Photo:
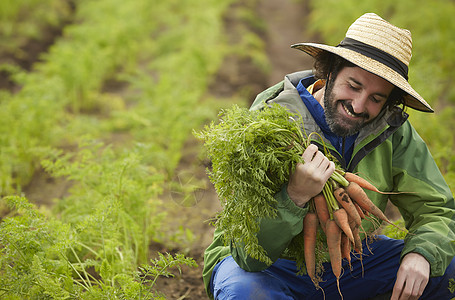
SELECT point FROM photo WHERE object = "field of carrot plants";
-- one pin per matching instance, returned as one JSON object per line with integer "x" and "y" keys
{"x": 101, "y": 176}
{"x": 106, "y": 111}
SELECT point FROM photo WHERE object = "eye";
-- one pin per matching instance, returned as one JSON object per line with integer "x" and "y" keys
{"x": 375, "y": 100}
{"x": 354, "y": 88}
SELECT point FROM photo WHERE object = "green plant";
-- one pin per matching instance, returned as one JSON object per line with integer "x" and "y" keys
{"x": 252, "y": 154}
{"x": 394, "y": 231}
{"x": 22, "y": 21}
{"x": 65, "y": 121}
{"x": 116, "y": 188}
{"x": 44, "y": 257}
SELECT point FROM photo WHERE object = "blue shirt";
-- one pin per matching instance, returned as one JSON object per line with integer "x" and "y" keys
{"x": 318, "y": 114}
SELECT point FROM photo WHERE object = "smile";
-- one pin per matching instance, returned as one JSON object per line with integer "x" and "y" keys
{"x": 348, "y": 112}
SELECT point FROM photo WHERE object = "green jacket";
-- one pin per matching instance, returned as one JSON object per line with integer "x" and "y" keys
{"x": 390, "y": 153}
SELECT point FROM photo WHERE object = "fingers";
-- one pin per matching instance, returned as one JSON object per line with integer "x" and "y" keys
{"x": 309, "y": 153}
{"x": 309, "y": 177}
{"x": 329, "y": 171}
{"x": 409, "y": 291}
{"x": 316, "y": 160}
{"x": 317, "y": 167}
{"x": 412, "y": 277}
{"x": 397, "y": 288}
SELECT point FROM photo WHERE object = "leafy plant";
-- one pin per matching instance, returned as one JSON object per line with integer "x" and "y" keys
{"x": 111, "y": 188}
{"x": 43, "y": 258}
{"x": 253, "y": 153}
{"x": 22, "y": 21}
{"x": 110, "y": 214}
{"x": 250, "y": 162}
{"x": 394, "y": 231}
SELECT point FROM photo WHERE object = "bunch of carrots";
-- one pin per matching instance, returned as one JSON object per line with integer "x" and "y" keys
{"x": 339, "y": 209}
{"x": 253, "y": 154}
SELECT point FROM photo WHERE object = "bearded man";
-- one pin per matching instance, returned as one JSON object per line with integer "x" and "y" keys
{"x": 355, "y": 98}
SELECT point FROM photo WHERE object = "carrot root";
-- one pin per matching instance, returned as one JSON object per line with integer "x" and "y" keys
{"x": 358, "y": 195}
{"x": 322, "y": 209}
{"x": 346, "y": 249}
{"x": 341, "y": 219}
{"x": 351, "y": 177}
{"x": 310, "y": 225}
{"x": 334, "y": 247}
{"x": 343, "y": 198}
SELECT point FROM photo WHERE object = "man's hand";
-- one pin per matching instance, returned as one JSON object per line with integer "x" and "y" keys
{"x": 309, "y": 178}
{"x": 412, "y": 277}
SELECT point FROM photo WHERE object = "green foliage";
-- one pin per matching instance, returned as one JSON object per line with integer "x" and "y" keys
{"x": 252, "y": 155}
{"x": 70, "y": 75}
{"x": 161, "y": 266}
{"x": 63, "y": 120}
{"x": 116, "y": 189}
{"x": 41, "y": 259}
{"x": 112, "y": 37}
{"x": 395, "y": 232}
{"x": 33, "y": 253}
{"x": 23, "y": 20}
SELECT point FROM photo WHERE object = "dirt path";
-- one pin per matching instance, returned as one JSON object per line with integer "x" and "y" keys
{"x": 285, "y": 21}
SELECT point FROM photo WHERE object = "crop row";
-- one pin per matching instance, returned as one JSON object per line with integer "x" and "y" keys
{"x": 94, "y": 242}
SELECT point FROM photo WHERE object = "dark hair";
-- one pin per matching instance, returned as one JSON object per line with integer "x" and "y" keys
{"x": 327, "y": 63}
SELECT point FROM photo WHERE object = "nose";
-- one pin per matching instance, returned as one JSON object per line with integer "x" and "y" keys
{"x": 359, "y": 103}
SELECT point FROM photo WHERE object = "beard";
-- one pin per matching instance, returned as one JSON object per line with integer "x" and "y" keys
{"x": 339, "y": 124}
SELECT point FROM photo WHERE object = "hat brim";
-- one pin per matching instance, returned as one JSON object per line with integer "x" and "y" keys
{"x": 412, "y": 99}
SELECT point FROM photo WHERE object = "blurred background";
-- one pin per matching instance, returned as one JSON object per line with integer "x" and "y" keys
{"x": 101, "y": 177}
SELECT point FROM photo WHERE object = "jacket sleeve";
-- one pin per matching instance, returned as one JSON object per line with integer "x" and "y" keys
{"x": 274, "y": 234}
{"x": 429, "y": 209}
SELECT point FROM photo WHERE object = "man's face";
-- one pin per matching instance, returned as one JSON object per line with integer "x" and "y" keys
{"x": 354, "y": 99}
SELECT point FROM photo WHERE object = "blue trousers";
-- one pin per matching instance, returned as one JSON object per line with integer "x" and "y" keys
{"x": 280, "y": 281}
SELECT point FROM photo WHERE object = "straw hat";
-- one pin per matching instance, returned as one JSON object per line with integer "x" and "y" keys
{"x": 380, "y": 48}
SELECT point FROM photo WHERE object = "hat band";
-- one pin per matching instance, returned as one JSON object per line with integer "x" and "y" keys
{"x": 376, "y": 54}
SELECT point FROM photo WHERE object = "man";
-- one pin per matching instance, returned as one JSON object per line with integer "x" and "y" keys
{"x": 355, "y": 100}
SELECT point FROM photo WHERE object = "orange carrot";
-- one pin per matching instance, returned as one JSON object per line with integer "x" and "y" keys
{"x": 310, "y": 225}
{"x": 359, "y": 210}
{"x": 351, "y": 177}
{"x": 343, "y": 198}
{"x": 333, "y": 233}
{"x": 341, "y": 219}
{"x": 346, "y": 248}
{"x": 358, "y": 195}
{"x": 321, "y": 209}
{"x": 357, "y": 241}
